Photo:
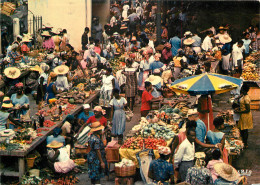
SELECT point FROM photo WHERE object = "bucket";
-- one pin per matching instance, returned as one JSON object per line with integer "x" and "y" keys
{"x": 34, "y": 172}
{"x": 30, "y": 161}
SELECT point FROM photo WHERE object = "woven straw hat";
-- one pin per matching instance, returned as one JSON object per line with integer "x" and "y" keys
{"x": 12, "y": 72}
{"x": 188, "y": 41}
{"x": 154, "y": 79}
{"x": 55, "y": 144}
{"x": 46, "y": 33}
{"x": 225, "y": 38}
{"x": 61, "y": 70}
{"x": 26, "y": 39}
{"x": 7, "y": 103}
{"x": 96, "y": 126}
{"x": 226, "y": 171}
{"x": 36, "y": 68}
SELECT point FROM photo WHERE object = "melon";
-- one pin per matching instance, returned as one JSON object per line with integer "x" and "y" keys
{"x": 71, "y": 101}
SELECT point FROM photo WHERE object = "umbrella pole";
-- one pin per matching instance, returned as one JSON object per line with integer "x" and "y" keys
{"x": 208, "y": 122}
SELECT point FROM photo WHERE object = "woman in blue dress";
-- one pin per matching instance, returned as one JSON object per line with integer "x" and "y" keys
{"x": 20, "y": 101}
{"x": 97, "y": 163}
{"x": 51, "y": 87}
{"x": 119, "y": 118}
{"x": 216, "y": 136}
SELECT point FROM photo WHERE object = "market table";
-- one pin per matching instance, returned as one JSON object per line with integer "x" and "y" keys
{"x": 21, "y": 154}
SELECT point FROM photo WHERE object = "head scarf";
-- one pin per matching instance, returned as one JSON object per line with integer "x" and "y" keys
{"x": 20, "y": 84}
{"x": 164, "y": 150}
{"x": 99, "y": 109}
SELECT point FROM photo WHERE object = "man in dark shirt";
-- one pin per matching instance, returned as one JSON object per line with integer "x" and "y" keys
{"x": 84, "y": 39}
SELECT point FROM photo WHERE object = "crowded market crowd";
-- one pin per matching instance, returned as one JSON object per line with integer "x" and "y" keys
{"x": 131, "y": 67}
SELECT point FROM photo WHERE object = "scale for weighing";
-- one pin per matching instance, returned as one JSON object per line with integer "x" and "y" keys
{"x": 8, "y": 133}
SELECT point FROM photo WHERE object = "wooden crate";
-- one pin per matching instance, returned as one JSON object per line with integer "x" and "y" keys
{"x": 255, "y": 105}
{"x": 112, "y": 154}
{"x": 254, "y": 93}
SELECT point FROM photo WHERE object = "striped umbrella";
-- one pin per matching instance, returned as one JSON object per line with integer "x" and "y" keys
{"x": 207, "y": 83}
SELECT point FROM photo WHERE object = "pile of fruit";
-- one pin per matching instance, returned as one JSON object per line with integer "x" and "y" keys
{"x": 139, "y": 142}
{"x": 249, "y": 72}
{"x": 24, "y": 136}
{"x": 74, "y": 97}
{"x": 158, "y": 131}
{"x": 48, "y": 123}
{"x": 69, "y": 180}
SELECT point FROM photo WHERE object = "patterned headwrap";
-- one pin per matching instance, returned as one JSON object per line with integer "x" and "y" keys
{"x": 164, "y": 150}
{"x": 20, "y": 84}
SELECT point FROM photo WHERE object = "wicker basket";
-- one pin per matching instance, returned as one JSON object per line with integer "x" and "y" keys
{"x": 80, "y": 161}
{"x": 33, "y": 53}
{"x": 125, "y": 171}
{"x": 82, "y": 150}
{"x": 30, "y": 161}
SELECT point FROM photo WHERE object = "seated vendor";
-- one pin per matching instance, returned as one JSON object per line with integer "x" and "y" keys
{"x": 31, "y": 83}
{"x": 161, "y": 170}
{"x": 85, "y": 114}
{"x": 11, "y": 78}
{"x": 56, "y": 136}
{"x": 59, "y": 158}
{"x": 68, "y": 129}
{"x": 20, "y": 101}
{"x": 5, "y": 115}
{"x": 157, "y": 82}
{"x": 226, "y": 174}
{"x": 14, "y": 55}
{"x": 99, "y": 112}
{"x": 62, "y": 83}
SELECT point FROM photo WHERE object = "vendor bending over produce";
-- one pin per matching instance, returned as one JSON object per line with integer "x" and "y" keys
{"x": 160, "y": 170}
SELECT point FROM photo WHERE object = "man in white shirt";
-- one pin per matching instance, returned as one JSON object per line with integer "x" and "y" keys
{"x": 237, "y": 54}
{"x": 207, "y": 44}
{"x": 184, "y": 157}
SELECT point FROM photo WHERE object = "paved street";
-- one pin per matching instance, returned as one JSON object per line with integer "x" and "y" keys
{"x": 249, "y": 158}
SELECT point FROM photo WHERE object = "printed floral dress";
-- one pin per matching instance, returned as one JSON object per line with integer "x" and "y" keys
{"x": 94, "y": 167}
{"x": 196, "y": 175}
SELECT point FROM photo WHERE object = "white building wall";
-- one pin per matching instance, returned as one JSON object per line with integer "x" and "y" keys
{"x": 65, "y": 14}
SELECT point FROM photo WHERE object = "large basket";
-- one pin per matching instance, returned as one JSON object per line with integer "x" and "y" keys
{"x": 30, "y": 161}
{"x": 125, "y": 171}
{"x": 82, "y": 150}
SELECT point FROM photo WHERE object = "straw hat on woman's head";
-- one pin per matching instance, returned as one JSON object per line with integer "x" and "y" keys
{"x": 12, "y": 72}
{"x": 44, "y": 67}
{"x": 7, "y": 103}
{"x": 96, "y": 126}
{"x": 226, "y": 171}
{"x": 25, "y": 39}
{"x": 36, "y": 68}
{"x": 154, "y": 79}
{"x": 188, "y": 41}
{"x": 225, "y": 38}
{"x": 61, "y": 70}
{"x": 55, "y": 144}
{"x": 46, "y": 34}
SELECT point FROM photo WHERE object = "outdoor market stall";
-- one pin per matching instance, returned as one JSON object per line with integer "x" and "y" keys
{"x": 22, "y": 151}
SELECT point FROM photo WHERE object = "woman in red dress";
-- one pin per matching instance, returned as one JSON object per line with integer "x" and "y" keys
{"x": 205, "y": 111}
